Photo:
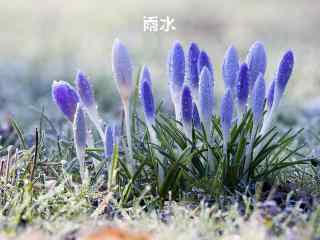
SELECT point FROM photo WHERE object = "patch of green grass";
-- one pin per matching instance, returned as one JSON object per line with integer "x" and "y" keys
{"x": 43, "y": 183}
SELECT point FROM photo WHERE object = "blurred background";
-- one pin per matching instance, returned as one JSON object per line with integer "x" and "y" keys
{"x": 42, "y": 41}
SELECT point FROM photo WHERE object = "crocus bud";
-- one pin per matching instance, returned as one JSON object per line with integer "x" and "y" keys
{"x": 226, "y": 116}
{"x": 84, "y": 89}
{"x": 122, "y": 69}
{"x": 258, "y": 98}
{"x": 109, "y": 141}
{"x": 86, "y": 94}
{"x": 145, "y": 75}
{"x": 196, "y": 116}
{"x": 206, "y": 99}
{"x": 186, "y": 110}
{"x": 257, "y": 62}
{"x": 230, "y": 68}
{"x": 80, "y": 139}
{"x": 270, "y": 95}
{"x": 176, "y": 71}
{"x": 66, "y": 98}
{"x": 204, "y": 61}
{"x": 283, "y": 74}
{"x": 243, "y": 87}
{"x": 193, "y": 73}
{"x": 80, "y": 129}
{"x": 146, "y": 96}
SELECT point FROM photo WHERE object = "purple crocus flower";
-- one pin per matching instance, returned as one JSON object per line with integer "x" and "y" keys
{"x": 193, "y": 73}
{"x": 86, "y": 94}
{"x": 66, "y": 98}
{"x": 258, "y": 98}
{"x": 270, "y": 95}
{"x": 186, "y": 110}
{"x": 230, "y": 68}
{"x": 196, "y": 116}
{"x": 283, "y": 74}
{"x": 79, "y": 128}
{"x": 279, "y": 84}
{"x": 243, "y": 87}
{"x": 257, "y": 62}
{"x": 146, "y": 96}
{"x": 204, "y": 61}
{"x": 226, "y": 112}
{"x": 84, "y": 89}
{"x": 176, "y": 68}
{"x": 206, "y": 99}
{"x": 109, "y": 142}
{"x": 122, "y": 69}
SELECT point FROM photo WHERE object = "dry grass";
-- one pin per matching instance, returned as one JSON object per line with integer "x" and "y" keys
{"x": 183, "y": 224}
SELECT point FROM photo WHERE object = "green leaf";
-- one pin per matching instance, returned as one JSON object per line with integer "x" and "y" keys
{"x": 112, "y": 176}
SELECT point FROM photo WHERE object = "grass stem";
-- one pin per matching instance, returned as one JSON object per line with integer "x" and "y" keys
{"x": 131, "y": 162}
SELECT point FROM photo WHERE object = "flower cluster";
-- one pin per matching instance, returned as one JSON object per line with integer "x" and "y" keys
{"x": 75, "y": 104}
{"x": 192, "y": 95}
{"x": 244, "y": 87}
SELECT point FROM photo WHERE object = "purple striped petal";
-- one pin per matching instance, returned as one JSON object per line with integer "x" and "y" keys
{"x": 79, "y": 128}
{"x": 109, "y": 142}
{"x": 66, "y": 98}
{"x": 145, "y": 75}
{"x": 206, "y": 99}
{"x": 257, "y": 62}
{"x": 84, "y": 89}
{"x": 146, "y": 96}
{"x": 196, "y": 116}
{"x": 186, "y": 106}
{"x": 230, "y": 68}
{"x": 204, "y": 61}
{"x": 284, "y": 71}
{"x": 270, "y": 96}
{"x": 258, "y": 98}
{"x": 122, "y": 69}
{"x": 176, "y": 67}
{"x": 243, "y": 85}
{"x": 226, "y": 112}
{"x": 193, "y": 73}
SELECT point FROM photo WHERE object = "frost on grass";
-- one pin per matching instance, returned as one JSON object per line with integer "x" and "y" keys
{"x": 142, "y": 175}
{"x": 185, "y": 223}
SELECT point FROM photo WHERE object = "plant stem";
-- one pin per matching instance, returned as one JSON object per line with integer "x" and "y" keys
{"x": 211, "y": 161}
{"x": 154, "y": 140}
{"x": 269, "y": 118}
{"x": 249, "y": 153}
{"x": 188, "y": 130}
{"x": 81, "y": 157}
{"x": 212, "y": 164}
{"x": 177, "y": 110}
{"x": 241, "y": 110}
{"x": 8, "y": 165}
{"x": 131, "y": 161}
{"x": 267, "y": 123}
{"x": 225, "y": 142}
